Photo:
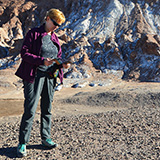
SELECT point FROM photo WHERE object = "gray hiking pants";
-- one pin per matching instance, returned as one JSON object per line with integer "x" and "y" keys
{"x": 43, "y": 87}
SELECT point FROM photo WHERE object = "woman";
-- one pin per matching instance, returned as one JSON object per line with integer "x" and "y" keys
{"x": 39, "y": 51}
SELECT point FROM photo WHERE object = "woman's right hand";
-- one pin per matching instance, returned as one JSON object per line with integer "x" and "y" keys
{"x": 66, "y": 65}
{"x": 48, "y": 61}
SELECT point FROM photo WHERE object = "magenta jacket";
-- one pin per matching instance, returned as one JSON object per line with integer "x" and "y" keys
{"x": 30, "y": 54}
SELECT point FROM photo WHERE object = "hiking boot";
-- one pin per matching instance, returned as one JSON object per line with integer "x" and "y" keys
{"x": 21, "y": 150}
{"x": 49, "y": 143}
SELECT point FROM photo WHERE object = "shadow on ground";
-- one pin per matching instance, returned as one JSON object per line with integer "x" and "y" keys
{"x": 10, "y": 152}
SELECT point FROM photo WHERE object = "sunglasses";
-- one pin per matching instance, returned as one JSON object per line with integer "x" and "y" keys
{"x": 55, "y": 23}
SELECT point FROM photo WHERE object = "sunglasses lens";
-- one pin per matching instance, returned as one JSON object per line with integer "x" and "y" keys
{"x": 55, "y": 23}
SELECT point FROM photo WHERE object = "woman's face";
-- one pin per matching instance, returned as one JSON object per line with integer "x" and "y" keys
{"x": 51, "y": 24}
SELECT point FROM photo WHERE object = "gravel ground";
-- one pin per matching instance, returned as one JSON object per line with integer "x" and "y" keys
{"x": 127, "y": 134}
{"x": 120, "y": 123}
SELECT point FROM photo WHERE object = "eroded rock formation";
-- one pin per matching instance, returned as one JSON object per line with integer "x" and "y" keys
{"x": 118, "y": 35}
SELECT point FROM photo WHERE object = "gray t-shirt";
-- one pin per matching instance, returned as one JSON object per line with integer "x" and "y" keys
{"x": 48, "y": 50}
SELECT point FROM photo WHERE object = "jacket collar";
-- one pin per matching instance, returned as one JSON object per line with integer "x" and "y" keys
{"x": 44, "y": 33}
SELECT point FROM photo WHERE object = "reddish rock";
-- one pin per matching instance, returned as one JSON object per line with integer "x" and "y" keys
{"x": 133, "y": 55}
{"x": 97, "y": 45}
{"x": 1, "y": 10}
{"x": 149, "y": 45}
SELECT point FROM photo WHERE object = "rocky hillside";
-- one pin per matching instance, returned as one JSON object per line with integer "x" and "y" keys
{"x": 117, "y": 37}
